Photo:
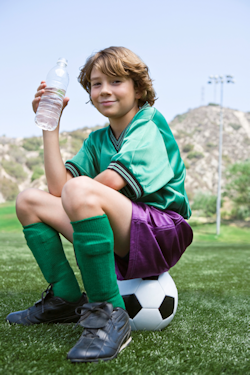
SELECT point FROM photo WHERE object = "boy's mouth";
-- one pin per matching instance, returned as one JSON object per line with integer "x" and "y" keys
{"x": 107, "y": 101}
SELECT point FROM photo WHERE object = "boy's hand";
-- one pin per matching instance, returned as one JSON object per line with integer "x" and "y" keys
{"x": 38, "y": 95}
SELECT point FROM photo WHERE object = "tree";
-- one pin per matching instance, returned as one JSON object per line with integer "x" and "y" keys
{"x": 238, "y": 188}
{"x": 206, "y": 203}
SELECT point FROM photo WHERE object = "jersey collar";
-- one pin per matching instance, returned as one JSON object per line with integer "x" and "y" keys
{"x": 118, "y": 142}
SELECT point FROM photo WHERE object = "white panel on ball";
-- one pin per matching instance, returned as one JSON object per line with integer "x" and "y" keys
{"x": 164, "y": 323}
{"x": 150, "y": 294}
{"x": 147, "y": 319}
{"x": 132, "y": 324}
{"x": 167, "y": 284}
{"x": 128, "y": 286}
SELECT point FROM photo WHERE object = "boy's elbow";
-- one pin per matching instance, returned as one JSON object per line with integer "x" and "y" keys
{"x": 116, "y": 181}
{"x": 55, "y": 193}
{"x": 111, "y": 179}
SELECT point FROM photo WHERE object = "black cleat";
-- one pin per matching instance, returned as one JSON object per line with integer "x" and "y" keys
{"x": 106, "y": 333}
{"x": 48, "y": 309}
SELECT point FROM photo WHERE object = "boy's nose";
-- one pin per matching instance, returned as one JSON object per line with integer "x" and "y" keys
{"x": 105, "y": 90}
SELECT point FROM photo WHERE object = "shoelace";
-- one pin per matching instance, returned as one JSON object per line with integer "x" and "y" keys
{"x": 89, "y": 310}
{"x": 44, "y": 295}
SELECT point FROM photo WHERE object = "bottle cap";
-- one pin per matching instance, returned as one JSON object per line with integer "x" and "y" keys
{"x": 62, "y": 60}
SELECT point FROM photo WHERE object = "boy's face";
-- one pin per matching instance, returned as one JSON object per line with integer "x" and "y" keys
{"x": 114, "y": 97}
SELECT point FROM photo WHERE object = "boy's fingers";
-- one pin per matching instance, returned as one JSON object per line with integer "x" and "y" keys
{"x": 42, "y": 86}
{"x": 39, "y": 93}
{"x": 36, "y": 101}
{"x": 65, "y": 102}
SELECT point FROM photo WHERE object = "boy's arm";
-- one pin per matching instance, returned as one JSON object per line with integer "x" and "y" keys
{"x": 55, "y": 170}
{"x": 112, "y": 179}
{"x": 56, "y": 173}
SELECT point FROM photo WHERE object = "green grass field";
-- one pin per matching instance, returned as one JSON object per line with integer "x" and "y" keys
{"x": 208, "y": 335}
{"x": 8, "y": 219}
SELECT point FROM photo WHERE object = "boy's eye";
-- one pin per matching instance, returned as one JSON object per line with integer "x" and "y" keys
{"x": 96, "y": 84}
{"x": 117, "y": 81}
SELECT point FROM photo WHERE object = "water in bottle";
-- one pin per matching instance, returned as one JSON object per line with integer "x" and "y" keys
{"x": 50, "y": 106}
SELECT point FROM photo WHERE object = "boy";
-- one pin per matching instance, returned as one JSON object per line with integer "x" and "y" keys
{"x": 128, "y": 199}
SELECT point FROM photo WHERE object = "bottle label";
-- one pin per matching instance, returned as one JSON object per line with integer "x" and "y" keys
{"x": 61, "y": 92}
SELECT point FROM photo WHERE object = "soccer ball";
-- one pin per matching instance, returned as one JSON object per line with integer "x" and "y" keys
{"x": 151, "y": 302}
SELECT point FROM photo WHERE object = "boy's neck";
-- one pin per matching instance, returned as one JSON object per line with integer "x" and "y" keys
{"x": 119, "y": 124}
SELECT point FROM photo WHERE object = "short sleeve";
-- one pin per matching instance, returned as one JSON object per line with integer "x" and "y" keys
{"x": 84, "y": 163}
{"x": 142, "y": 160}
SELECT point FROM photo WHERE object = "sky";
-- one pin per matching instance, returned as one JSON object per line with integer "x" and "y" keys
{"x": 181, "y": 41}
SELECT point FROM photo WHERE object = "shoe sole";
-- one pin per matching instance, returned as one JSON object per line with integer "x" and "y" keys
{"x": 66, "y": 320}
{"x": 123, "y": 346}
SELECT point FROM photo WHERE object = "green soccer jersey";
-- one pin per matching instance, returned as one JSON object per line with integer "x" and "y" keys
{"x": 146, "y": 155}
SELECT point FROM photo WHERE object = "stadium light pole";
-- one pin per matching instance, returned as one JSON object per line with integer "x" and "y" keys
{"x": 220, "y": 79}
{"x": 214, "y": 80}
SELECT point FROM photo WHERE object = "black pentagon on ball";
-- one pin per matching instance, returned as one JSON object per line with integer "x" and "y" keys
{"x": 151, "y": 278}
{"x": 167, "y": 307}
{"x": 132, "y": 305}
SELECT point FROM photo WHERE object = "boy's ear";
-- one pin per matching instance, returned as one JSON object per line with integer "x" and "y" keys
{"x": 138, "y": 94}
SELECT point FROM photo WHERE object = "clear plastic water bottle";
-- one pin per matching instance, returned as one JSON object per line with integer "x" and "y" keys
{"x": 50, "y": 106}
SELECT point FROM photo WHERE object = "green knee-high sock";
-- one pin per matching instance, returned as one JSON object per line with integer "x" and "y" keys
{"x": 94, "y": 248}
{"x": 46, "y": 246}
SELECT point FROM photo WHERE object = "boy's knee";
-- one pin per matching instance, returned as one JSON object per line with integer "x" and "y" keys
{"x": 25, "y": 200}
{"x": 77, "y": 192}
{"x": 77, "y": 187}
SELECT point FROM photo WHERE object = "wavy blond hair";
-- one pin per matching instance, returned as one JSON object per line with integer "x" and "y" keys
{"x": 120, "y": 62}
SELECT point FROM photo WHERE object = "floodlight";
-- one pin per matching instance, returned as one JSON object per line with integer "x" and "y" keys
{"x": 219, "y": 79}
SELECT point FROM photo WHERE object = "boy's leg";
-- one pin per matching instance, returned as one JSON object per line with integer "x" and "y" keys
{"x": 99, "y": 216}
{"x": 35, "y": 205}
{"x": 83, "y": 198}
{"x": 46, "y": 246}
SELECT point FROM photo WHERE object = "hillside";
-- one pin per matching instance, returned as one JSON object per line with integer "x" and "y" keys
{"x": 197, "y": 134}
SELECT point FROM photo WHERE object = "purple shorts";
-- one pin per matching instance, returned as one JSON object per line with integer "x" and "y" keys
{"x": 157, "y": 241}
